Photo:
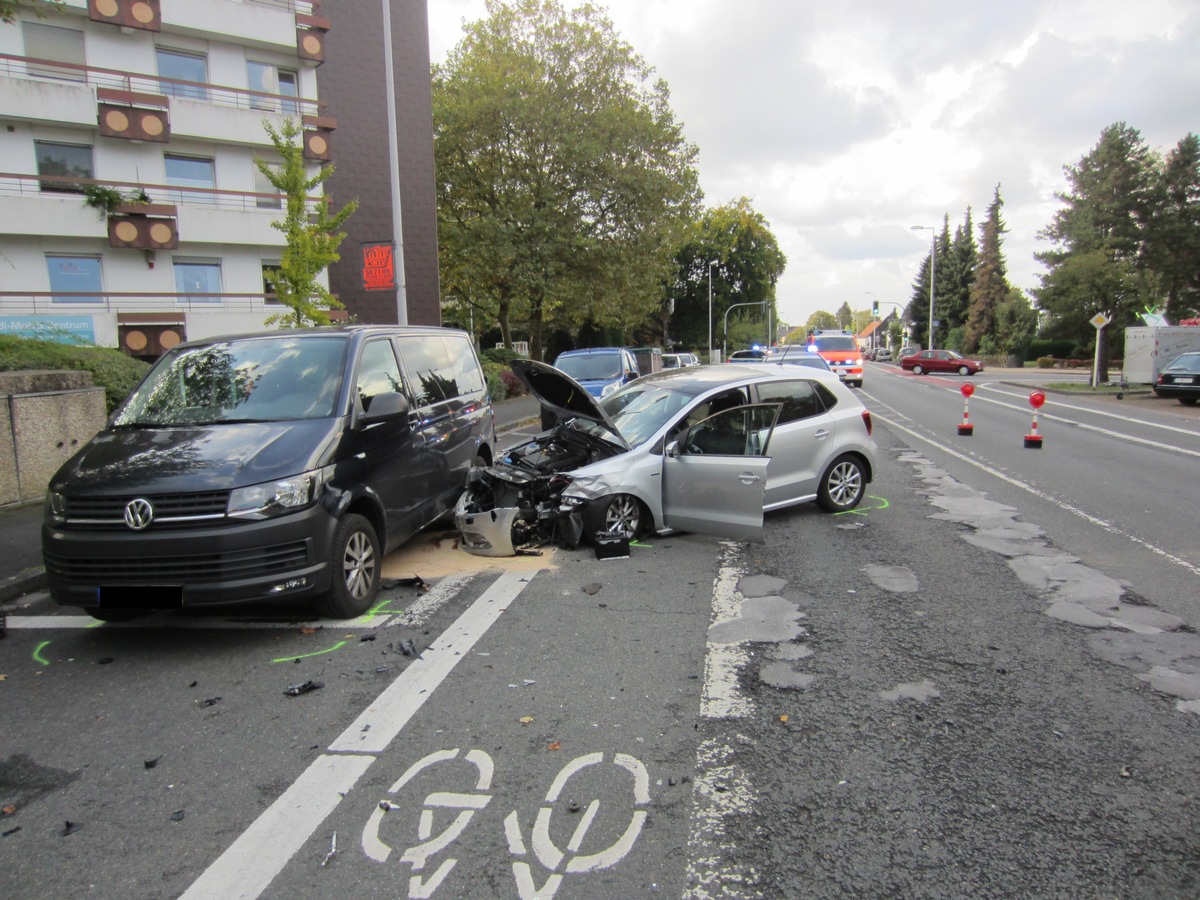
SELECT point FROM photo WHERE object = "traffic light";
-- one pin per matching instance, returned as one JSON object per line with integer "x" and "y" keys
{"x": 875, "y": 309}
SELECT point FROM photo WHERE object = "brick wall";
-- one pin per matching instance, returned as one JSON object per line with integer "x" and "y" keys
{"x": 352, "y": 82}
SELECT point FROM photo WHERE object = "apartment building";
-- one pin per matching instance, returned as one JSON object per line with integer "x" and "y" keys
{"x": 163, "y": 102}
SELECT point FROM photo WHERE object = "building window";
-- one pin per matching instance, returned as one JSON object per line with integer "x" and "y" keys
{"x": 63, "y": 160}
{"x": 262, "y": 185}
{"x": 190, "y": 172}
{"x": 180, "y": 66}
{"x": 268, "y": 278}
{"x": 52, "y": 42}
{"x": 75, "y": 279}
{"x": 195, "y": 277}
{"x": 268, "y": 78}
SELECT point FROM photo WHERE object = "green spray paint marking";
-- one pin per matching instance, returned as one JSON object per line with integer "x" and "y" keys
{"x": 882, "y": 504}
{"x": 640, "y": 544}
{"x": 338, "y": 646}
{"x": 37, "y": 653}
{"x": 379, "y": 609}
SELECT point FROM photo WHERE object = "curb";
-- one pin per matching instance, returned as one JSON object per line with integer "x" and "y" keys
{"x": 24, "y": 582}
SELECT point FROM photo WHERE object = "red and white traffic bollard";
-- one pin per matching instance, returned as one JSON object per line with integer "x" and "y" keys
{"x": 965, "y": 427}
{"x": 1033, "y": 439}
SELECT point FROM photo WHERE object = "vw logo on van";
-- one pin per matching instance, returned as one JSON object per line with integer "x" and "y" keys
{"x": 138, "y": 514}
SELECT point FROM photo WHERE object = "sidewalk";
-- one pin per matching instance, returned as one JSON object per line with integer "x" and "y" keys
{"x": 21, "y": 570}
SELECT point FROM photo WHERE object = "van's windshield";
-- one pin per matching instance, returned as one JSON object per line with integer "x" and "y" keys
{"x": 591, "y": 366}
{"x": 254, "y": 380}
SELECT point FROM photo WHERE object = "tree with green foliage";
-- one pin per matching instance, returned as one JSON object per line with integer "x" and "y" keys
{"x": 989, "y": 286}
{"x": 40, "y": 8}
{"x": 956, "y": 282}
{"x": 1173, "y": 244}
{"x": 844, "y": 316}
{"x": 312, "y": 234}
{"x": 1098, "y": 262}
{"x": 564, "y": 183}
{"x": 822, "y": 320}
{"x": 748, "y": 266}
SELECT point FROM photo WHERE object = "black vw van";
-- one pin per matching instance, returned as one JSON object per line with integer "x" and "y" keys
{"x": 274, "y": 466}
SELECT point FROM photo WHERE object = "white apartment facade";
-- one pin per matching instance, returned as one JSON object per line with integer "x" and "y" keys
{"x": 163, "y": 99}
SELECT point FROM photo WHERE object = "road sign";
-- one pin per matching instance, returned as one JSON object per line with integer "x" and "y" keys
{"x": 1099, "y": 320}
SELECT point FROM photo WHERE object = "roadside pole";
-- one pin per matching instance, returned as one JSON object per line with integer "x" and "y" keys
{"x": 1099, "y": 320}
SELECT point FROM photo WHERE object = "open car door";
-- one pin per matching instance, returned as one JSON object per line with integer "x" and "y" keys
{"x": 715, "y": 474}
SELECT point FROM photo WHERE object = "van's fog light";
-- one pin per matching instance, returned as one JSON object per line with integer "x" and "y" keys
{"x": 289, "y": 585}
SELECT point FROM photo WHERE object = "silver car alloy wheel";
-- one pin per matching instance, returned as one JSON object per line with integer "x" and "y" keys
{"x": 845, "y": 482}
{"x": 623, "y": 516}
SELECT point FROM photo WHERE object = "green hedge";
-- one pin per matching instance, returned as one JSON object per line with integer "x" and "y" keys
{"x": 112, "y": 370}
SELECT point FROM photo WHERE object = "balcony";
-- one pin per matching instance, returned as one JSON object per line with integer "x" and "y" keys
{"x": 49, "y": 206}
{"x": 208, "y": 111}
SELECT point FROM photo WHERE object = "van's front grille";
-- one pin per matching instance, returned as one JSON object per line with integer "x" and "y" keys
{"x": 235, "y": 565}
{"x": 170, "y": 510}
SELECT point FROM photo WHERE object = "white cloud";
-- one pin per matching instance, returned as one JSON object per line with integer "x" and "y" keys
{"x": 848, "y": 123}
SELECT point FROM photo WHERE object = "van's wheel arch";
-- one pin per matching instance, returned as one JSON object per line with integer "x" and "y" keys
{"x": 355, "y": 569}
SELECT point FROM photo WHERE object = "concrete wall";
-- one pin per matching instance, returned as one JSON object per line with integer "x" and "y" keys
{"x": 48, "y": 417}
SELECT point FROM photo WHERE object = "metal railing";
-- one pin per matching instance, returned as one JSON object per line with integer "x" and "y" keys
{"x": 60, "y": 186}
{"x": 304, "y": 7}
{"x": 34, "y": 69}
{"x": 24, "y": 303}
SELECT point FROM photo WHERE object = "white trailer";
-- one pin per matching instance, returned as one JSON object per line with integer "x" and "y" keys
{"x": 1150, "y": 347}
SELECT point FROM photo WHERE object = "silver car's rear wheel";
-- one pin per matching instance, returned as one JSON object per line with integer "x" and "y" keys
{"x": 619, "y": 514}
{"x": 842, "y": 485}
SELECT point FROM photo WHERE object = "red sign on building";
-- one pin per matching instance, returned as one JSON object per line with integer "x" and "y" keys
{"x": 379, "y": 266}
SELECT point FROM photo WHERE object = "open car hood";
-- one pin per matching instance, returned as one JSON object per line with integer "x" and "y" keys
{"x": 562, "y": 394}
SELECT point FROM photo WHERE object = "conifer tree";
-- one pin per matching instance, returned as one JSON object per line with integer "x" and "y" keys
{"x": 989, "y": 287}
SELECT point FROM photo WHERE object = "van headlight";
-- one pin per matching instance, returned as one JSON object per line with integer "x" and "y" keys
{"x": 274, "y": 498}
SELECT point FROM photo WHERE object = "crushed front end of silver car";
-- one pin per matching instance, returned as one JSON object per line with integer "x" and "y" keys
{"x": 517, "y": 505}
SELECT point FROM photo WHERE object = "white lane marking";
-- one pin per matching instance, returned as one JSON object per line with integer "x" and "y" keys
{"x": 174, "y": 624}
{"x": 380, "y": 722}
{"x": 244, "y": 870}
{"x": 721, "y": 694}
{"x": 1049, "y": 498}
{"x": 1046, "y": 415}
{"x": 251, "y": 863}
{"x": 413, "y": 615}
{"x": 1059, "y": 404}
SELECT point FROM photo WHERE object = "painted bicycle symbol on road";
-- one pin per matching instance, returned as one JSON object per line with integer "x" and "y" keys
{"x": 579, "y": 856}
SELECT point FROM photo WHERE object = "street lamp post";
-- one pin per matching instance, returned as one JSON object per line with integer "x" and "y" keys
{"x": 932, "y": 272}
{"x": 874, "y": 315}
{"x": 711, "y": 263}
{"x": 725, "y": 331}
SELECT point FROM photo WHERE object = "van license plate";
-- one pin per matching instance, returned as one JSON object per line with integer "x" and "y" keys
{"x": 140, "y": 596}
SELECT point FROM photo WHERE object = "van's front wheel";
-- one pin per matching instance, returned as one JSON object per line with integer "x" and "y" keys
{"x": 355, "y": 568}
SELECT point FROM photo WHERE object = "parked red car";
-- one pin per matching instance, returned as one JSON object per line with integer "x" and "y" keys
{"x": 940, "y": 361}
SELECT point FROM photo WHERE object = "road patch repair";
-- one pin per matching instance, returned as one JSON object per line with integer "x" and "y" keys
{"x": 1156, "y": 646}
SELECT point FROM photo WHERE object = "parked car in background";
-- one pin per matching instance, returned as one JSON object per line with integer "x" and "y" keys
{"x": 930, "y": 361}
{"x": 1180, "y": 379}
{"x": 742, "y": 356}
{"x": 796, "y": 356}
{"x": 673, "y": 360}
{"x": 705, "y": 449}
{"x": 599, "y": 370}
{"x": 907, "y": 351}
{"x": 882, "y": 354}
{"x": 279, "y": 466}
{"x": 690, "y": 359}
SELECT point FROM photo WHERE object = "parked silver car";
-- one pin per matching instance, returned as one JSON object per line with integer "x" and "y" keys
{"x": 705, "y": 449}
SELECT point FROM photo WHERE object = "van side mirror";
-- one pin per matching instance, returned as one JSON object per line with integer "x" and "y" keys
{"x": 388, "y": 405}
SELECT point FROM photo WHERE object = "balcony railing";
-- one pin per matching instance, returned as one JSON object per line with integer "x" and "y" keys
{"x": 14, "y": 184}
{"x": 16, "y": 303}
{"x": 304, "y": 7}
{"x": 35, "y": 69}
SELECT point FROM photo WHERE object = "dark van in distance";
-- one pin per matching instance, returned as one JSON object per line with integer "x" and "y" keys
{"x": 276, "y": 466}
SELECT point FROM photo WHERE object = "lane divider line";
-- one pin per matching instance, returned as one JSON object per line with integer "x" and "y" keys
{"x": 260, "y": 853}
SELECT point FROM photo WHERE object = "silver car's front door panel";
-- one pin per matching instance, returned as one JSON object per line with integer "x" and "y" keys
{"x": 718, "y": 495}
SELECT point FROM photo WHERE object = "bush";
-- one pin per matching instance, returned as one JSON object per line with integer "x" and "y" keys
{"x": 111, "y": 369}
{"x": 501, "y": 355}
{"x": 1048, "y": 347}
{"x": 513, "y": 386}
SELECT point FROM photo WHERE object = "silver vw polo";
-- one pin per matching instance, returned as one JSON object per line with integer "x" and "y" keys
{"x": 704, "y": 449}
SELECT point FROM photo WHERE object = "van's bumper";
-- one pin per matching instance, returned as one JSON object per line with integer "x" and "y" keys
{"x": 277, "y": 559}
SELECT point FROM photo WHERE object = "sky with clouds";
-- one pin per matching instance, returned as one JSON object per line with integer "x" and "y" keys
{"x": 848, "y": 122}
